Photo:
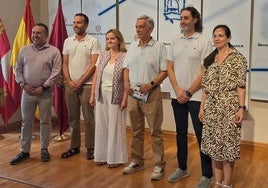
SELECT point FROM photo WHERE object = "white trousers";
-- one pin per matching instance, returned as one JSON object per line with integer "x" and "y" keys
{"x": 110, "y": 131}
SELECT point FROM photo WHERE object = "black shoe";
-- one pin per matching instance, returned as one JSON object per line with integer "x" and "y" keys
{"x": 90, "y": 154}
{"x": 45, "y": 156}
{"x": 19, "y": 157}
{"x": 70, "y": 153}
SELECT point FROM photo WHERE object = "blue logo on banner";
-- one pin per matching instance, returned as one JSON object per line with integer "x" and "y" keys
{"x": 172, "y": 9}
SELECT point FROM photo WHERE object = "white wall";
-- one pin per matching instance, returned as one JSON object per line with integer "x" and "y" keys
{"x": 254, "y": 129}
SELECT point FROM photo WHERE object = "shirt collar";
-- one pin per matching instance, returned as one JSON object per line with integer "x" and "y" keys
{"x": 43, "y": 47}
{"x": 150, "y": 43}
{"x": 194, "y": 36}
{"x": 86, "y": 36}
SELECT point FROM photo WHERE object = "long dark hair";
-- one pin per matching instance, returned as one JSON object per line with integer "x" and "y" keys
{"x": 211, "y": 57}
{"x": 195, "y": 14}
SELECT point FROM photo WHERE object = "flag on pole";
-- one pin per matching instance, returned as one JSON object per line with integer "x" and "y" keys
{"x": 57, "y": 37}
{"x": 22, "y": 38}
{"x": 7, "y": 107}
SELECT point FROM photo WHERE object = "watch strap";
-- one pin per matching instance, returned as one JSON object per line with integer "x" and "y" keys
{"x": 242, "y": 107}
{"x": 188, "y": 93}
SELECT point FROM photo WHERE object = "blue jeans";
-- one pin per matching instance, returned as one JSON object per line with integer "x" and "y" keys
{"x": 180, "y": 112}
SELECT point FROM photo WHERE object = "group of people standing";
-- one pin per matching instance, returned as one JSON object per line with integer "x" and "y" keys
{"x": 209, "y": 85}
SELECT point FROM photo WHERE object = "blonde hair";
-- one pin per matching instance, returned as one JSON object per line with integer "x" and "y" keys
{"x": 119, "y": 36}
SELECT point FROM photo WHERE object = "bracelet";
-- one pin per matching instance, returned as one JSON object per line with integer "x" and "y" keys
{"x": 152, "y": 83}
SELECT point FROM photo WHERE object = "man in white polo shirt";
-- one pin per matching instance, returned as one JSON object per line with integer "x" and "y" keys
{"x": 185, "y": 58}
{"x": 145, "y": 69}
{"x": 80, "y": 53}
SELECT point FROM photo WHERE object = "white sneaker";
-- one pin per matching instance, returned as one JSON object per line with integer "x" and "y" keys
{"x": 158, "y": 173}
{"x": 177, "y": 175}
{"x": 133, "y": 167}
{"x": 204, "y": 182}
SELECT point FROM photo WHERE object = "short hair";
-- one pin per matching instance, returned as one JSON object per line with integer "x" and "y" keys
{"x": 44, "y": 26}
{"x": 195, "y": 14}
{"x": 150, "y": 21}
{"x": 86, "y": 20}
{"x": 119, "y": 36}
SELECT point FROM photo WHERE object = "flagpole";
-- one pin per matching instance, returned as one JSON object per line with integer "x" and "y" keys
{"x": 57, "y": 37}
{"x": 60, "y": 138}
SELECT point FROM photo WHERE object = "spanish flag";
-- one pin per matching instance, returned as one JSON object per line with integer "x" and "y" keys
{"x": 22, "y": 38}
{"x": 7, "y": 107}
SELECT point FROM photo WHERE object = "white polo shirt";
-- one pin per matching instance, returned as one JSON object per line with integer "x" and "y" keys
{"x": 145, "y": 63}
{"x": 188, "y": 55}
{"x": 79, "y": 53}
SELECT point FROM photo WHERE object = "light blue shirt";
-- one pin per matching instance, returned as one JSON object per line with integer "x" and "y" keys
{"x": 145, "y": 63}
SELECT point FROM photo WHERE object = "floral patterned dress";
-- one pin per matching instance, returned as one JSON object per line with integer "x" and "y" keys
{"x": 221, "y": 135}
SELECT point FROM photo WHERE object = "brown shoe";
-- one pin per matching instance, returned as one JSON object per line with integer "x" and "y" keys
{"x": 101, "y": 163}
{"x": 114, "y": 165}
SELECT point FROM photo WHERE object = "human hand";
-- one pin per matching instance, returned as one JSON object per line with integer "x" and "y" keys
{"x": 123, "y": 104}
{"x": 201, "y": 114}
{"x": 239, "y": 116}
{"x": 181, "y": 96}
{"x": 92, "y": 101}
{"x": 37, "y": 91}
{"x": 129, "y": 90}
{"x": 28, "y": 89}
{"x": 145, "y": 88}
{"x": 73, "y": 85}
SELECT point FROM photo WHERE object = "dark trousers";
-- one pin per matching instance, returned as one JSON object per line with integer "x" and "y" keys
{"x": 181, "y": 112}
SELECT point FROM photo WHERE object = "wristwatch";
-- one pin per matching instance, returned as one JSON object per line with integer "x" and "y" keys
{"x": 45, "y": 88}
{"x": 242, "y": 107}
{"x": 22, "y": 84}
{"x": 188, "y": 93}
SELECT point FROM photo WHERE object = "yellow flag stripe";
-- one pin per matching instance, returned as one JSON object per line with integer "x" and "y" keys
{"x": 21, "y": 39}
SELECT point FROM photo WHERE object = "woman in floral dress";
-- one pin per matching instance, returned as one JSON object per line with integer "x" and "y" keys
{"x": 223, "y": 104}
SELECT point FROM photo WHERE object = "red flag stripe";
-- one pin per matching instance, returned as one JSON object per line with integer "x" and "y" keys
{"x": 5, "y": 46}
{"x": 28, "y": 19}
{"x": 57, "y": 37}
{"x": 7, "y": 107}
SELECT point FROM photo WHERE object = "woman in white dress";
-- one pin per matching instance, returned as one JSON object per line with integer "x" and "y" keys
{"x": 110, "y": 99}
